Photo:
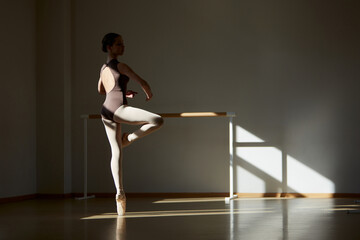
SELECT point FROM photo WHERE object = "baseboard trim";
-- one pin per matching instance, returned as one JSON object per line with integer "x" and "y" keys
{"x": 17, "y": 198}
{"x": 182, "y": 195}
{"x": 156, "y": 195}
{"x": 34, "y": 196}
{"x": 177, "y": 195}
{"x": 54, "y": 195}
{"x": 298, "y": 195}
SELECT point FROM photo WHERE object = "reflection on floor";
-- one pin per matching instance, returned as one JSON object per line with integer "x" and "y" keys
{"x": 202, "y": 218}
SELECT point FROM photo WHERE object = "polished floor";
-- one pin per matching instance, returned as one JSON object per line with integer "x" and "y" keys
{"x": 202, "y": 218}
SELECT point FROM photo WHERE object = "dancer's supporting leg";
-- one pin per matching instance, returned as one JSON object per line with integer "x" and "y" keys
{"x": 113, "y": 132}
{"x": 130, "y": 115}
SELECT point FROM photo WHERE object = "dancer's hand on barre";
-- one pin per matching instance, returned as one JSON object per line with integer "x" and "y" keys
{"x": 130, "y": 94}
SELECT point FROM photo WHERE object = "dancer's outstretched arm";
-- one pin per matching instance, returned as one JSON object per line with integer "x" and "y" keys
{"x": 125, "y": 69}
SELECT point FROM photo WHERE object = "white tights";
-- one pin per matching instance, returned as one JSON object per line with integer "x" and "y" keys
{"x": 128, "y": 115}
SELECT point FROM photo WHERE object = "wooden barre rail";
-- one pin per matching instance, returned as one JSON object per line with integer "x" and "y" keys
{"x": 178, "y": 115}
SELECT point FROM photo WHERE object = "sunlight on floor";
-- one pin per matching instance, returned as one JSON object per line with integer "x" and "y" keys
{"x": 182, "y": 213}
{"x": 190, "y": 200}
{"x": 322, "y": 208}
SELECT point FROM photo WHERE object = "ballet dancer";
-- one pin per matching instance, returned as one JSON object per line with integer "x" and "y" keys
{"x": 114, "y": 76}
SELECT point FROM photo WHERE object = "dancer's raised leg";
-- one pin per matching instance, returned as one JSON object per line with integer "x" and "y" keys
{"x": 135, "y": 116}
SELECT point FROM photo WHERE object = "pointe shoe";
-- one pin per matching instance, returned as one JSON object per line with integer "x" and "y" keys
{"x": 121, "y": 204}
{"x": 124, "y": 140}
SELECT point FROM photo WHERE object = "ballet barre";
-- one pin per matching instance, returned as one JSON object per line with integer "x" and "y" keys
{"x": 230, "y": 115}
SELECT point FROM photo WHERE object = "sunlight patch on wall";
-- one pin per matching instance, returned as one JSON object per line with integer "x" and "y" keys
{"x": 248, "y": 182}
{"x": 243, "y": 135}
{"x": 263, "y": 164}
{"x": 303, "y": 179}
{"x": 266, "y": 162}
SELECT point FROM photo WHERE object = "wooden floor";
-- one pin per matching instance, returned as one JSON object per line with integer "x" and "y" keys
{"x": 202, "y": 218}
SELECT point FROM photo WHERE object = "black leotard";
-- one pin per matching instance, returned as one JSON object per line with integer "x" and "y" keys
{"x": 117, "y": 96}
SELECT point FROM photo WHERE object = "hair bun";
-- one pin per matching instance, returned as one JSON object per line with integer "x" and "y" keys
{"x": 108, "y": 40}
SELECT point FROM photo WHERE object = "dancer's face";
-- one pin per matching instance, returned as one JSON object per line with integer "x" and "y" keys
{"x": 118, "y": 47}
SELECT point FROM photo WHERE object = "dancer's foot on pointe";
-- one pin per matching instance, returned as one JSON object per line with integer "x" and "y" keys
{"x": 124, "y": 140}
{"x": 121, "y": 204}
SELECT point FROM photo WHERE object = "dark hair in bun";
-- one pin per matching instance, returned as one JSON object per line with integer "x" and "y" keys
{"x": 108, "y": 40}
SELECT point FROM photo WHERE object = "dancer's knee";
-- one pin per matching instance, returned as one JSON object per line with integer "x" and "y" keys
{"x": 159, "y": 121}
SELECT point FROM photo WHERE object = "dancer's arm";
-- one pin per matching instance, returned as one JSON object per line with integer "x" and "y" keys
{"x": 101, "y": 88}
{"x": 126, "y": 70}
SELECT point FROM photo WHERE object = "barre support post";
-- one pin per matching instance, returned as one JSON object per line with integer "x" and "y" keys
{"x": 232, "y": 196}
{"x": 85, "y": 117}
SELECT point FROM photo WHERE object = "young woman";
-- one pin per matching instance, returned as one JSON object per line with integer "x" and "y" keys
{"x": 114, "y": 76}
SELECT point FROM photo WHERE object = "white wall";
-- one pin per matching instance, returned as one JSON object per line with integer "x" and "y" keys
{"x": 18, "y": 99}
{"x": 288, "y": 69}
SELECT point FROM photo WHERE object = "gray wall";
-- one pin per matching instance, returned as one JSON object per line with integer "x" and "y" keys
{"x": 36, "y": 99}
{"x": 53, "y": 96}
{"x": 288, "y": 69}
{"x": 18, "y": 99}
